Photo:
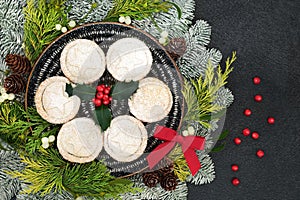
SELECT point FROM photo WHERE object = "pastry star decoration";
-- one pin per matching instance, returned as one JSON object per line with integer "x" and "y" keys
{"x": 57, "y": 100}
{"x": 124, "y": 145}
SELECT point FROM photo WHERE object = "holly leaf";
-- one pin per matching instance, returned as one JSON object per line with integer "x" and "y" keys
{"x": 69, "y": 89}
{"x": 103, "y": 115}
{"x": 218, "y": 148}
{"x": 84, "y": 92}
{"x": 123, "y": 90}
{"x": 224, "y": 134}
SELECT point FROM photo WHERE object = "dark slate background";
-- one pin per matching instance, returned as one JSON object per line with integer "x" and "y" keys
{"x": 265, "y": 34}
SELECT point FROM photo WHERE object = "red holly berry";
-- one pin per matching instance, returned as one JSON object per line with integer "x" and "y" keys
{"x": 100, "y": 88}
{"x": 237, "y": 141}
{"x": 260, "y": 153}
{"x": 235, "y": 181}
{"x": 99, "y": 95}
{"x": 256, "y": 80}
{"x": 97, "y": 102}
{"x": 106, "y": 102}
{"x": 271, "y": 120}
{"x": 106, "y": 90}
{"x": 258, "y": 98}
{"x": 234, "y": 167}
{"x": 110, "y": 98}
{"x": 247, "y": 112}
{"x": 246, "y": 131}
{"x": 255, "y": 135}
{"x": 105, "y": 97}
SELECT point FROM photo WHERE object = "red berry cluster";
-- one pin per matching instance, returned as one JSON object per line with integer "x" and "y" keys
{"x": 102, "y": 95}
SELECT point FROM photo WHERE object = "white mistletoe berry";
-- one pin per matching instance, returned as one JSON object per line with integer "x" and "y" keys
{"x": 45, "y": 145}
{"x": 4, "y": 96}
{"x": 64, "y": 29}
{"x": 164, "y": 34}
{"x": 51, "y": 138}
{"x": 121, "y": 19}
{"x": 162, "y": 40}
{"x": 45, "y": 140}
{"x": 11, "y": 96}
{"x": 58, "y": 27}
{"x": 127, "y": 20}
{"x": 72, "y": 23}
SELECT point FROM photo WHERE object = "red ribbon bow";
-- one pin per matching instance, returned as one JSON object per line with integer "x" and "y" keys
{"x": 188, "y": 145}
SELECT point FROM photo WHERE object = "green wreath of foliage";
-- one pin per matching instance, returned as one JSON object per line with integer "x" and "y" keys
{"x": 27, "y": 27}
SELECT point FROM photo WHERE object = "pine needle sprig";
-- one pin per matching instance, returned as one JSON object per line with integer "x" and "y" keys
{"x": 39, "y": 27}
{"x": 181, "y": 169}
{"x": 137, "y": 9}
{"x": 204, "y": 90}
{"x": 47, "y": 172}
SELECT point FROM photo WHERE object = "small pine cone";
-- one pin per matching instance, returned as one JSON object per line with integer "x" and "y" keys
{"x": 150, "y": 179}
{"x": 176, "y": 47}
{"x": 169, "y": 181}
{"x": 165, "y": 170}
{"x": 18, "y": 64}
{"x": 14, "y": 83}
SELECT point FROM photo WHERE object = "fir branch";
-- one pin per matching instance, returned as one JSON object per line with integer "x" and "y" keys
{"x": 206, "y": 174}
{"x": 47, "y": 171}
{"x": 156, "y": 192}
{"x": 205, "y": 93}
{"x": 39, "y": 28}
{"x": 137, "y": 9}
{"x": 169, "y": 21}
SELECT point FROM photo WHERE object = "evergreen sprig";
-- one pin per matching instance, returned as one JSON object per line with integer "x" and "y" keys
{"x": 23, "y": 129}
{"x": 181, "y": 168}
{"x": 41, "y": 16}
{"x": 204, "y": 90}
{"x": 137, "y": 9}
{"x": 47, "y": 171}
{"x": 11, "y": 112}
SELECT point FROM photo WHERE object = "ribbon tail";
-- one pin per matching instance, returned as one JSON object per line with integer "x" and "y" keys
{"x": 159, "y": 153}
{"x": 192, "y": 160}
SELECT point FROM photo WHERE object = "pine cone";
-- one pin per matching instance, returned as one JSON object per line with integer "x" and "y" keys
{"x": 14, "y": 83}
{"x": 169, "y": 181}
{"x": 18, "y": 64}
{"x": 150, "y": 179}
{"x": 176, "y": 48}
{"x": 165, "y": 170}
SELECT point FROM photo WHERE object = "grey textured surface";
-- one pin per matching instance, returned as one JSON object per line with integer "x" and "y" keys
{"x": 265, "y": 35}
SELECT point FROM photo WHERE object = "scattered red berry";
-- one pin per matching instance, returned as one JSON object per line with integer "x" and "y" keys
{"x": 247, "y": 112}
{"x": 234, "y": 167}
{"x": 260, "y": 153}
{"x": 255, "y": 135}
{"x": 246, "y": 131}
{"x": 256, "y": 80}
{"x": 235, "y": 181}
{"x": 258, "y": 98}
{"x": 237, "y": 141}
{"x": 271, "y": 120}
